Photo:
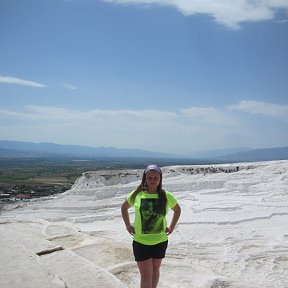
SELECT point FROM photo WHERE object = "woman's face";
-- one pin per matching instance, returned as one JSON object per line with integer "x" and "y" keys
{"x": 153, "y": 179}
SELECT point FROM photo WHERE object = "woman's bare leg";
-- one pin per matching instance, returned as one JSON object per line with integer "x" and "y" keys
{"x": 146, "y": 271}
{"x": 156, "y": 272}
{"x": 150, "y": 272}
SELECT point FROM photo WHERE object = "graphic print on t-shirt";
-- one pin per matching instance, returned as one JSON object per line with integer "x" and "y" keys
{"x": 152, "y": 216}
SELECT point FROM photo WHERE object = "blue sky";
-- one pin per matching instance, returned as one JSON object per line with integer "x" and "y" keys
{"x": 162, "y": 75}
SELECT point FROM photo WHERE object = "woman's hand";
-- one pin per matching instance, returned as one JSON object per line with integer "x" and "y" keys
{"x": 131, "y": 229}
{"x": 168, "y": 230}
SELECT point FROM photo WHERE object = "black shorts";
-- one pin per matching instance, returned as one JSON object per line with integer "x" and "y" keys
{"x": 144, "y": 252}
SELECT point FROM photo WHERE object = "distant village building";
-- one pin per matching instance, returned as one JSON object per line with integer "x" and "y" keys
{"x": 22, "y": 196}
{"x": 4, "y": 195}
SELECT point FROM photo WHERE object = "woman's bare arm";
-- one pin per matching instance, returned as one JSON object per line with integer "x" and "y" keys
{"x": 125, "y": 215}
{"x": 177, "y": 212}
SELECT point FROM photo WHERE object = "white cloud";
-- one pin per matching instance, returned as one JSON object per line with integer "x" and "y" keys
{"x": 11, "y": 114}
{"x": 69, "y": 86}
{"x": 147, "y": 129}
{"x": 208, "y": 115}
{"x": 58, "y": 113}
{"x": 264, "y": 108}
{"x": 17, "y": 81}
{"x": 181, "y": 131}
{"x": 117, "y": 128}
{"x": 230, "y": 13}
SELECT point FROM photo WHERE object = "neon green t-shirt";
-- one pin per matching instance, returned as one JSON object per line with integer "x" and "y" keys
{"x": 150, "y": 222}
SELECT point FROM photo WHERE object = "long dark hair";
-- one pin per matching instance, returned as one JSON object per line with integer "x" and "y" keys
{"x": 143, "y": 187}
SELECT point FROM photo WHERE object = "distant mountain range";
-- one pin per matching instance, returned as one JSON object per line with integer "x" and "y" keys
{"x": 28, "y": 150}
{"x": 268, "y": 154}
{"x": 18, "y": 149}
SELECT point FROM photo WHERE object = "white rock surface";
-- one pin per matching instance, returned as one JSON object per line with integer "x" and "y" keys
{"x": 233, "y": 231}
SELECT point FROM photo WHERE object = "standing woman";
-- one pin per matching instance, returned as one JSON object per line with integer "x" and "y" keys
{"x": 150, "y": 230}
